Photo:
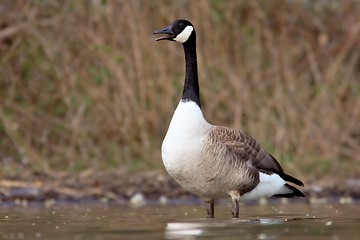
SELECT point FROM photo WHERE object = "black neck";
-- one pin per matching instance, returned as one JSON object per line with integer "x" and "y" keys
{"x": 191, "y": 86}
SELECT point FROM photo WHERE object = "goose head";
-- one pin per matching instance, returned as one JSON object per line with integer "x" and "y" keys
{"x": 180, "y": 30}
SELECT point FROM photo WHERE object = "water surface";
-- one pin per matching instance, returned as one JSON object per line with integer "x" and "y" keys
{"x": 100, "y": 222}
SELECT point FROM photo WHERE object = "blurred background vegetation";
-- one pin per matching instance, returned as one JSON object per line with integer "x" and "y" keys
{"x": 83, "y": 84}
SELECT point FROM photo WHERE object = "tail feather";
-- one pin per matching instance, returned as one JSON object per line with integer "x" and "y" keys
{"x": 291, "y": 179}
{"x": 295, "y": 192}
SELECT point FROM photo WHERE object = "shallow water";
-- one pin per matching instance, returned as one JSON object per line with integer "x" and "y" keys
{"x": 289, "y": 221}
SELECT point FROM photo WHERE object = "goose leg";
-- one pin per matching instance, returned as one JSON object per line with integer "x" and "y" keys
{"x": 235, "y": 208}
{"x": 235, "y": 195}
{"x": 210, "y": 207}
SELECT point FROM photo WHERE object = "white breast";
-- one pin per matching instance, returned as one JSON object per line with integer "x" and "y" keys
{"x": 184, "y": 140}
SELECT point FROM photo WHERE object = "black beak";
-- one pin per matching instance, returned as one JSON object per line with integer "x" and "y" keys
{"x": 167, "y": 31}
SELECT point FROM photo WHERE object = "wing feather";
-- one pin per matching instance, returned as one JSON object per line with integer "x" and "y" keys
{"x": 249, "y": 151}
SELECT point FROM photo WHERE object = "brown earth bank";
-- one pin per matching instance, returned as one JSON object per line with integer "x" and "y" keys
{"x": 149, "y": 187}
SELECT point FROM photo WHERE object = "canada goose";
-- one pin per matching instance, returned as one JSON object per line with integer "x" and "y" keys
{"x": 214, "y": 161}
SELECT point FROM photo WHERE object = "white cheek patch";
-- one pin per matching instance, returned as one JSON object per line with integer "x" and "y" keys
{"x": 184, "y": 35}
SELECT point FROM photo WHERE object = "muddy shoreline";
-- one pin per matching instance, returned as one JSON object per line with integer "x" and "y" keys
{"x": 149, "y": 187}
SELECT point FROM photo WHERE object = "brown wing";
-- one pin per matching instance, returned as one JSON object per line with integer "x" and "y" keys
{"x": 249, "y": 150}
